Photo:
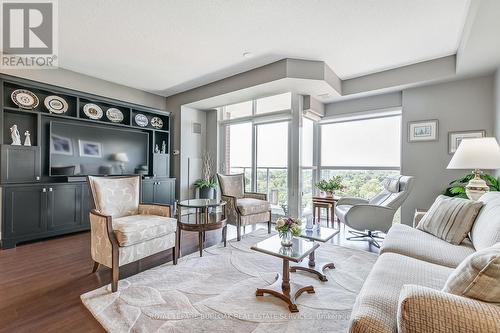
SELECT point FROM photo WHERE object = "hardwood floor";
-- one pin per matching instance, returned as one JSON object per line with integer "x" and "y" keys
{"x": 41, "y": 282}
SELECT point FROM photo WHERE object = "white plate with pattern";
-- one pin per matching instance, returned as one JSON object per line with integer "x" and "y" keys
{"x": 141, "y": 120}
{"x": 156, "y": 122}
{"x": 56, "y": 104}
{"x": 24, "y": 99}
{"x": 115, "y": 115}
{"x": 93, "y": 111}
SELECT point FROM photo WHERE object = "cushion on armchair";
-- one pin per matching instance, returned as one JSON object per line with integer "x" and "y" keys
{"x": 250, "y": 206}
{"x": 135, "y": 229}
{"x": 116, "y": 197}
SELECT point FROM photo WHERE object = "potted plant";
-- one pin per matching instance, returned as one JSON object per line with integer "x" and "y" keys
{"x": 206, "y": 185}
{"x": 457, "y": 187}
{"x": 287, "y": 229}
{"x": 330, "y": 186}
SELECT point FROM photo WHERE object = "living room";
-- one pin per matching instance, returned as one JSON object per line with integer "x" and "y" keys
{"x": 250, "y": 166}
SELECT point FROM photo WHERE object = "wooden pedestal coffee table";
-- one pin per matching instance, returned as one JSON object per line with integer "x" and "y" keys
{"x": 319, "y": 234}
{"x": 282, "y": 287}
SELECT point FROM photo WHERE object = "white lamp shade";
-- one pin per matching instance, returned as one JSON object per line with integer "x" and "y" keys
{"x": 480, "y": 153}
{"x": 121, "y": 157}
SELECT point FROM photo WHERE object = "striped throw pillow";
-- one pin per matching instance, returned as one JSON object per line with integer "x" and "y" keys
{"x": 450, "y": 219}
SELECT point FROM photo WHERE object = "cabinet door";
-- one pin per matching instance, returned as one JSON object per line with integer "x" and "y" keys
{"x": 24, "y": 211}
{"x": 65, "y": 211}
{"x": 87, "y": 204}
{"x": 165, "y": 192}
{"x": 147, "y": 191}
{"x": 161, "y": 163}
{"x": 20, "y": 164}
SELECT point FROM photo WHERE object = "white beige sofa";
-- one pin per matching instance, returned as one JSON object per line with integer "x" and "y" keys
{"x": 403, "y": 291}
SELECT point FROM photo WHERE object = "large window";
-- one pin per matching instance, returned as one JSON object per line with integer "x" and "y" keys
{"x": 307, "y": 165}
{"x": 363, "y": 152}
{"x": 258, "y": 146}
{"x": 239, "y": 151}
{"x": 272, "y": 164}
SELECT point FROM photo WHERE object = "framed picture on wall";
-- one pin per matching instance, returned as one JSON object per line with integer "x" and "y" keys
{"x": 454, "y": 138}
{"x": 423, "y": 130}
{"x": 90, "y": 149}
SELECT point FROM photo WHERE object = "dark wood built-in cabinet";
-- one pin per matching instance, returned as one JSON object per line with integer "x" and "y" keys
{"x": 36, "y": 205}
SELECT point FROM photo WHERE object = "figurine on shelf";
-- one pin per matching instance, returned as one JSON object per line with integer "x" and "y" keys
{"x": 163, "y": 147}
{"x": 16, "y": 137}
{"x": 157, "y": 149}
{"x": 27, "y": 140}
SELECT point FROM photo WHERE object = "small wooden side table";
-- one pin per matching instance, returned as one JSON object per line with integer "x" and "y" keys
{"x": 329, "y": 204}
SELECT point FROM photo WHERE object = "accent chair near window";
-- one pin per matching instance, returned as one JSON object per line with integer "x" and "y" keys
{"x": 243, "y": 208}
{"x": 124, "y": 230}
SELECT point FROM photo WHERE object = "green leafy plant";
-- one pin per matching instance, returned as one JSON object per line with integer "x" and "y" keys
{"x": 331, "y": 185}
{"x": 457, "y": 187}
{"x": 205, "y": 183}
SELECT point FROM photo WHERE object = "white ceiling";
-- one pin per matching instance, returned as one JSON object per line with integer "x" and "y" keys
{"x": 167, "y": 46}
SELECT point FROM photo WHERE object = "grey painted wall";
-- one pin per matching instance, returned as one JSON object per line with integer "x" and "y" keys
{"x": 69, "y": 79}
{"x": 459, "y": 105}
{"x": 370, "y": 103}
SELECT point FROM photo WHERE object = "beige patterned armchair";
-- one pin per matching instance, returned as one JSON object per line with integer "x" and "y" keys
{"x": 243, "y": 208}
{"x": 122, "y": 229}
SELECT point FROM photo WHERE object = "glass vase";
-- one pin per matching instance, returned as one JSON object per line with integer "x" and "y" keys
{"x": 286, "y": 238}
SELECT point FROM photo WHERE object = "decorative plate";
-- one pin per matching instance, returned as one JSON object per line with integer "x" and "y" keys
{"x": 56, "y": 104}
{"x": 24, "y": 99}
{"x": 141, "y": 120}
{"x": 115, "y": 115}
{"x": 93, "y": 111}
{"x": 156, "y": 122}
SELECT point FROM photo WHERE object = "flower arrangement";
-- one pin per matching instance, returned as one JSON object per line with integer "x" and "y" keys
{"x": 288, "y": 227}
{"x": 331, "y": 185}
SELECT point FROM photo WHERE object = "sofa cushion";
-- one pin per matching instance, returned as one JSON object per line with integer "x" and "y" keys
{"x": 417, "y": 244}
{"x": 376, "y": 306}
{"x": 250, "y": 206}
{"x": 478, "y": 276}
{"x": 135, "y": 229}
{"x": 486, "y": 230}
{"x": 450, "y": 219}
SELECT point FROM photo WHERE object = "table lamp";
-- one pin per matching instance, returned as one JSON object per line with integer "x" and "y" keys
{"x": 122, "y": 158}
{"x": 476, "y": 154}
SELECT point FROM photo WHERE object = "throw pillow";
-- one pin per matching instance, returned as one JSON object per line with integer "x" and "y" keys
{"x": 478, "y": 276}
{"x": 450, "y": 219}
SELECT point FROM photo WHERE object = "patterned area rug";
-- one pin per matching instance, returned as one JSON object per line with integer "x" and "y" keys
{"x": 216, "y": 293}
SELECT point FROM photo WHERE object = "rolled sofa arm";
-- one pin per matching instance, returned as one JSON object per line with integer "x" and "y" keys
{"x": 422, "y": 309}
{"x": 351, "y": 201}
{"x": 370, "y": 217}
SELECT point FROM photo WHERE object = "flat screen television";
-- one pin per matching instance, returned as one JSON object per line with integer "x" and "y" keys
{"x": 81, "y": 150}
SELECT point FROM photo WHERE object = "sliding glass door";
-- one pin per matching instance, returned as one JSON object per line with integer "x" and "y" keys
{"x": 239, "y": 151}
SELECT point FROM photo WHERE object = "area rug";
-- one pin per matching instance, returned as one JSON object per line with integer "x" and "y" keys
{"x": 216, "y": 293}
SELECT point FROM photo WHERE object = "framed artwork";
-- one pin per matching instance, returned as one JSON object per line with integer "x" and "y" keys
{"x": 424, "y": 130}
{"x": 61, "y": 145}
{"x": 90, "y": 149}
{"x": 454, "y": 138}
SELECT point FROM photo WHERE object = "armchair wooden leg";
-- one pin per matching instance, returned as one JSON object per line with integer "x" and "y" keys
{"x": 238, "y": 230}
{"x": 96, "y": 267}
{"x": 115, "y": 274}
{"x": 174, "y": 254}
{"x": 269, "y": 224}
